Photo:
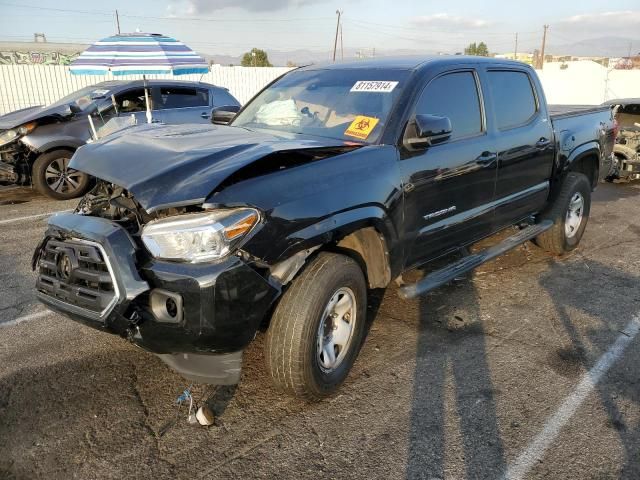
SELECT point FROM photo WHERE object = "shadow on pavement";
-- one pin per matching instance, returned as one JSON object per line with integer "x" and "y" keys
{"x": 449, "y": 316}
{"x": 616, "y": 301}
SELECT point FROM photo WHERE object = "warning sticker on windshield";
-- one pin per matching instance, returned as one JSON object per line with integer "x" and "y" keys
{"x": 361, "y": 127}
{"x": 374, "y": 86}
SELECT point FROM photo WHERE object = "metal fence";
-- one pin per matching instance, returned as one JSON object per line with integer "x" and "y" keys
{"x": 24, "y": 86}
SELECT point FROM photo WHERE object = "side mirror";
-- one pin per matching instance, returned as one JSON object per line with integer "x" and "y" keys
{"x": 426, "y": 130}
{"x": 224, "y": 114}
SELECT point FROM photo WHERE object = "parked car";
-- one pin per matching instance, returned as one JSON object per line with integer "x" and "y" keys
{"x": 627, "y": 147}
{"x": 333, "y": 180}
{"x": 37, "y": 143}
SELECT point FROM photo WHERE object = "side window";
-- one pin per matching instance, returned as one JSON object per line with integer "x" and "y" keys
{"x": 181, "y": 97}
{"x": 132, "y": 101}
{"x": 222, "y": 97}
{"x": 454, "y": 95}
{"x": 513, "y": 100}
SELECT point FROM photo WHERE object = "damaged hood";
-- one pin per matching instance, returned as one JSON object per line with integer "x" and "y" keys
{"x": 20, "y": 117}
{"x": 175, "y": 165}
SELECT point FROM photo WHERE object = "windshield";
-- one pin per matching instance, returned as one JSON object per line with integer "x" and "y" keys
{"x": 349, "y": 104}
{"x": 83, "y": 99}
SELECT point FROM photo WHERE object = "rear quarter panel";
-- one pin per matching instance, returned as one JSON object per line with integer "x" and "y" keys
{"x": 582, "y": 134}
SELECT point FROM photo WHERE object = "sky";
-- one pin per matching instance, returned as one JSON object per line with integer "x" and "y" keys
{"x": 234, "y": 26}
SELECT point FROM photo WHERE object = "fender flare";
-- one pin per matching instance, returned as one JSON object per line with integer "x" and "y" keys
{"x": 340, "y": 224}
{"x": 577, "y": 154}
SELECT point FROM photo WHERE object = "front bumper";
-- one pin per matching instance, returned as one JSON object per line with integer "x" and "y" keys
{"x": 223, "y": 303}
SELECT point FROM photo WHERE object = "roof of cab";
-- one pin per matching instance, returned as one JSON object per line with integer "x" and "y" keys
{"x": 411, "y": 62}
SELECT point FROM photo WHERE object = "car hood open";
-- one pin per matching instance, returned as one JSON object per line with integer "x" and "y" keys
{"x": 176, "y": 165}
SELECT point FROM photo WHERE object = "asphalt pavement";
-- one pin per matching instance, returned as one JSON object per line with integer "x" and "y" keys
{"x": 527, "y": 368}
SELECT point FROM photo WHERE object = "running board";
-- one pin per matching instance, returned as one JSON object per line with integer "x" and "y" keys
{"x": 465, "y": 264}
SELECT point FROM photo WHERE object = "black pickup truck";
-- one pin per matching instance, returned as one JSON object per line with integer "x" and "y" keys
{"x": 332, "y": 181}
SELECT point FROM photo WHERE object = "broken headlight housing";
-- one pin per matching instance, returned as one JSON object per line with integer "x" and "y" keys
{"x": 199, "y": 237}
{"x": 9, "y": 136}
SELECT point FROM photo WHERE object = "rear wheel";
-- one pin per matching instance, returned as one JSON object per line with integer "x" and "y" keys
{"x": 317, "y": 328}
{"x": 53, "y": 177}
{"x": 569, "y": 213}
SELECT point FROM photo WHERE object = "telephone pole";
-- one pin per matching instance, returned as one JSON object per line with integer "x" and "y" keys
{"x": 544, "y": 41}
{"x": 515, "y": 50}
{"x": 118, "y": 22}
{"x": 335, "y": 43}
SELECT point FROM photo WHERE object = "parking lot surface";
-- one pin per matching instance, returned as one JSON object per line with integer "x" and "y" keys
{"x": 527, "y": 368}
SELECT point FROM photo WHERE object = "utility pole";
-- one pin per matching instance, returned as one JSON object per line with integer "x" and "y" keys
{"x": 118, "y": 21}
{"x": 544, "y": 41}
{"x": 341, "y": 44}
{"x": 335, "y": 43}
{"x": 515, "y": 50}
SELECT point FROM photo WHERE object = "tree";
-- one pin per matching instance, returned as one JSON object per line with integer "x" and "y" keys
{"x": 471, "y": 49}
{"x": 479, "y": 49}
{"x": 255, "y": 58}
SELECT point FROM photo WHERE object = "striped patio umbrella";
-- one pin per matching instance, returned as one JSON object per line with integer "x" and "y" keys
{"x": 139, "y": 54}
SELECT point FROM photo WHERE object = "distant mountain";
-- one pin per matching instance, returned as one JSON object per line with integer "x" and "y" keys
{"x": 306, "y": 57}
{"x": 600, "y": 47}
{"x": 596, "y": 47}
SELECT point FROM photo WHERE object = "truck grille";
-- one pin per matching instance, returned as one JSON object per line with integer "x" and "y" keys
{"x": 75, "y": 272}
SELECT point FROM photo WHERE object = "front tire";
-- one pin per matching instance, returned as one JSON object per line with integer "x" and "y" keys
{"x": 317, "y": 328}
{"x": 569, "y": 213}
{"x": 53, "y": 178}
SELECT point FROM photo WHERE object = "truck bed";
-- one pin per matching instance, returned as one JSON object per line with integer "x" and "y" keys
{"x": 560, "y": 111}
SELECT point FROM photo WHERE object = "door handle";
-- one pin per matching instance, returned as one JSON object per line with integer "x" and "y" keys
{"x": 204, "y": 115}
{"x": 486, "y": 159}
{"x": 543, "y": 142}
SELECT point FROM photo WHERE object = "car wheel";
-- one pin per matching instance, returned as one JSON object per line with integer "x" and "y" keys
{"x": 317, "y": 328}
{"x": 569, "y": 213}
{"x": 53, "y": 177}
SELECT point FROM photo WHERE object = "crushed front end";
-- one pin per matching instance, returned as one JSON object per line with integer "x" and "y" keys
{"x": 94, "y": 267}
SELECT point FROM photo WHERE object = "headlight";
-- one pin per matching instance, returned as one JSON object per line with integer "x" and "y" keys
{"x": 199, "y": 237}
{"x": 9, "y": 136}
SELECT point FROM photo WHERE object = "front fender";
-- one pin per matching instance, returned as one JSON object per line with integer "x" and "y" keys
{"x": 47, "y": 143}
{"x": 339, "y": 225}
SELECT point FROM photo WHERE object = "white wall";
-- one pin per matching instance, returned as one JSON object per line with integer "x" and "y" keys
{"x": 587, "y": 83}
{"x": 28, "y": 85}
{"x": 581, "y": 83}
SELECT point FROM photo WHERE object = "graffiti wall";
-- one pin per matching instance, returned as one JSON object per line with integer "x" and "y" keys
{"x": 37, "y": 58}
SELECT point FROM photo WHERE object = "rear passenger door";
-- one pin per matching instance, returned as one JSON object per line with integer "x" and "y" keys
{"x": 523, "y": 133}
{"x": 177, "y": 104}
{"x": 449, "y": 186}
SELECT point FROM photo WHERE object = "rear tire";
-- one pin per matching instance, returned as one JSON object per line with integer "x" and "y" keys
{"x": 317, "y": 328}
{"x": 53, "y": 178}
{"x": 569, "y": 213}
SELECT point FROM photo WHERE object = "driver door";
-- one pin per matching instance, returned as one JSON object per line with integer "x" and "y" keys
{"x": 449, "y": 186}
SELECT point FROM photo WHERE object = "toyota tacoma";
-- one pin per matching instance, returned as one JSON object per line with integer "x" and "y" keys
{"x": 332, "y": 181}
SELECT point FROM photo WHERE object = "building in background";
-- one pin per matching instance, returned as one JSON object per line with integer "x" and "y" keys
{"x": 39, "y": 53}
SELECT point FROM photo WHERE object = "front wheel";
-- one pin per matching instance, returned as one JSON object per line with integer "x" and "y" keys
{"x": 317, "y": 328}
{"x": 53, "y": 178}
{"x": 569, "y": 213}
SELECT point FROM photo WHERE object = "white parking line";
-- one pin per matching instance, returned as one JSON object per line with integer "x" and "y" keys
{"x": 536, "y": 449}
{"x": 26, "y": 318}
{"x": 31, "y": 217}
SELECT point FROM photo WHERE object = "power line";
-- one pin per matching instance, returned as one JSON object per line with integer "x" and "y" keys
{"x": 171, "y": 18}
{"x": 404, "y": 28}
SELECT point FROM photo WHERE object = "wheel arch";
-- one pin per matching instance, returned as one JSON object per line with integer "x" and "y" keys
{"x": 586, "y": 160}
{"x": 364, "y": 234}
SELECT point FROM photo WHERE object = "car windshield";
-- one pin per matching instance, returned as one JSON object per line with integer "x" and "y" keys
{"x": 349, "y": 104}
{"x": 83, "y": 99}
